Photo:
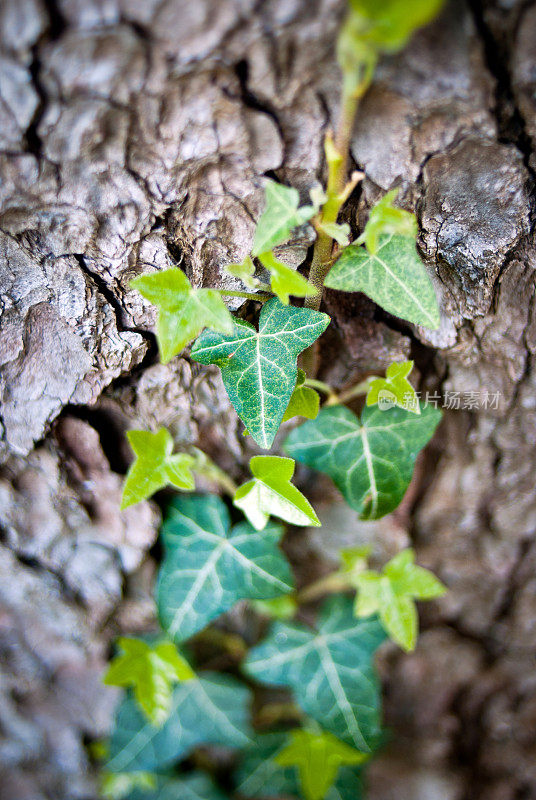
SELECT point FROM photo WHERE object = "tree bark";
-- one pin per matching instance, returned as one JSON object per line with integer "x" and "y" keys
{"x": 135, "y": 135}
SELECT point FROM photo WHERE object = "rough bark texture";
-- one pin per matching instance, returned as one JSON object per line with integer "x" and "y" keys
{"x": 135, "y": 134}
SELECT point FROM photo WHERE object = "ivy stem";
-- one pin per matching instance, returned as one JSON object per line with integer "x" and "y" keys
{"x": 356, "y": 391}
{"x": 322, "y": 387}
{"x": 329, "y": 584}
{"x": 260, "y": 297}
{"x": 206, "y": 467}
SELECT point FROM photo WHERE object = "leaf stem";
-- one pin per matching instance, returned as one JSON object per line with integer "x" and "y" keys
{"x": 329, "y": 584}
{"x": 357, "y": 390}
{"x": 260, "y": 297}
{"x": 206, "y": 467}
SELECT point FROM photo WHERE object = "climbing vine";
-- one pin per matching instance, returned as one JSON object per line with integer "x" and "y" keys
{"x": 210, "y": 564}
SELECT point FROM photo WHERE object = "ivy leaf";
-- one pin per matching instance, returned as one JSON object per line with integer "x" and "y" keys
{"x": 279, "y": 218}
{"x": 245, "y": 271}
{"x": 386, "y": 219}
{"x": 152, "y": 672}
{"x": 117, "y": 785}
{"x": 371, "y": 460}
{"x": 284, "y": 280}
{"x": 394, "y": 277}
{"x": 354, "y": 559}
{"x": 338, "y": 231}
{"x": 260, "y": 775}
{"x": 208, "y": 710}
{"x": 337, "y": 661}
{"x": 208, "y": 567}
{"x": 193, "y": 786}
{"x": 183, "y": 310}
{"x": 392, "y": 593}
{"x": 304, "y": 402}
{"x": 155, "y": 467}
{"x": 271, "y": 493}
{"x": 394, "y": 389}
{"x": 387, "y": 26}
{"x": 317, "y": 757}
{"x": 259, "y": 369}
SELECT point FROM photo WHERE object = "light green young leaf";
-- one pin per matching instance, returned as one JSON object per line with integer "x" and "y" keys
{"x": 318, "y": 758}
{"x": 192, "y": 786}
{"x": 337, "y": 660}
{"x": 183, "y": 311}
{"x": 304, "y": 402}
{"x": 386, "y": 219}
{"x": 387, "y": 25}
{"x": 354, "y": 559}
{"x": 285, "y": 281}
{"x": 245, "y": 271}
{"x": 394, "y": 389}
{"x": 259, "y": 774}
{"x": 279, "y": 218}
{"x": 392, "y": 592}
{"x": 371, "y": 460}
{"x": 271, "y": 493}
{"x": 338, "y": 231}
{"x": 213, "y": 709}
{"x": 155, "y": 467}
{"x": 152, "y": 671}
{"x": 117, "y": 785}
{"x": 209, "y": 566}
{"x": 394, "y": 277}
{"x": 259, "y": 369}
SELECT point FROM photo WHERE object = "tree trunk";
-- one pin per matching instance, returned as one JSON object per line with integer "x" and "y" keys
{"x": 136, "y": 135}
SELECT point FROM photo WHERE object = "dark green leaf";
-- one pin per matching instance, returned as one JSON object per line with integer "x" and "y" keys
{"x": 194, "y": 786}
{"x": 208, "y": 710}
{"x": 330, "y": 671}
{"x": 259, "y": 369}
{"x": 371, "y": 460}
{"x": 208, "y": 566}
{"x": 394, "y": 277}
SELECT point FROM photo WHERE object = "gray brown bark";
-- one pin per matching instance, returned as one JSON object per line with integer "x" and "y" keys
{"x": 136, "y": 135}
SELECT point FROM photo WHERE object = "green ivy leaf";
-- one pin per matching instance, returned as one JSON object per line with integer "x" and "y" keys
{"x": 271, "y": 493}
{"x": 337, "y": 661}
{"x": 117, "y": 785}
{"x": 208, "y": 567}
{"x": 183, "y": 311}
{"x": 318, "y": 758}
{"x": 279, "y": 218}
{"x": 388, "y": 25}
{"x": 155, "y": 467}
{"x": 392, "y": 592}
{"x": 259, "y": 369}
{"x": 386, "y": 219}
{"x": 304, "y": 402}
{"x": 371, "y": 460}
{"x": 354, "y": 559}
{"x": 285, "y": 281}
{"x": 394, "y": 277}
{"x": 152, "y": 671}
{"x": 394, "y": 389}
{"x": 338, "y": 231}
{"x": 193, "y": 786}
{"x": 209, "y": 710}
{"x": 245, "y": 271}
{"x": 259, "y": 774}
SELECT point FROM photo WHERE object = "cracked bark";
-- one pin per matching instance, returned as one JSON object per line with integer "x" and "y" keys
{"x": 136, "y": 135}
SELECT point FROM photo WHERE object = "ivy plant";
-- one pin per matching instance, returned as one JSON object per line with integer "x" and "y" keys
{"x": 223, "y": 561}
